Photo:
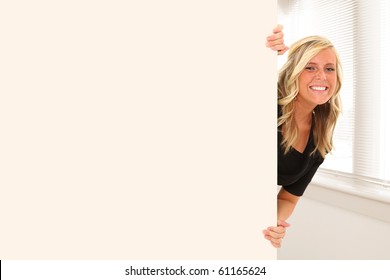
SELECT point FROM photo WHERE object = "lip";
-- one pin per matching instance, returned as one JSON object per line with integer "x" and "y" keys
{"x": 319, "y": 88}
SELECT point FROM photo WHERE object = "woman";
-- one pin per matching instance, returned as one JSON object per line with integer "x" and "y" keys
{"x": 308, "y": 107}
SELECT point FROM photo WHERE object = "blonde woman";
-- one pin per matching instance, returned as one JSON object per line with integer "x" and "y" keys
{"x": 308, "y": 107}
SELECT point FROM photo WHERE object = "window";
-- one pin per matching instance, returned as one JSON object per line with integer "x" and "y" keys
{"x": 360, "y": 32}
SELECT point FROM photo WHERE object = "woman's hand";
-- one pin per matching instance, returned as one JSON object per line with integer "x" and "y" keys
{"x": 276, "y": 41}
{"x": 276, "y": 234}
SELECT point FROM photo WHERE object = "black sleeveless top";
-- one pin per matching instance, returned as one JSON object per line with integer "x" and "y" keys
{"x": 295, "y": 169}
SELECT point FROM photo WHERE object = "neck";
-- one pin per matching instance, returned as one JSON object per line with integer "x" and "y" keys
{"x": 303, "y": 114}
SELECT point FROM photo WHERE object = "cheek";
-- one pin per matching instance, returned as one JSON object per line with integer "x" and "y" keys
{"x": 333, "y": 82}
{"x": 303, "y": 80}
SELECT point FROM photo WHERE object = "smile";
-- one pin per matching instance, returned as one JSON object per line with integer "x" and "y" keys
{"x": 318, "y": 88}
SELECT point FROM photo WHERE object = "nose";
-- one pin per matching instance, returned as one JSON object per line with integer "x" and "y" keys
{"x": 320, "y": 75}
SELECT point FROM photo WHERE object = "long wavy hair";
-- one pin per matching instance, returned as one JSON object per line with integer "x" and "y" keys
{"x": 325, "y": 115}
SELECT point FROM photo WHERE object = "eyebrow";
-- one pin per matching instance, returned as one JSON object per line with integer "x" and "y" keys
{"x": 330, "y": 63}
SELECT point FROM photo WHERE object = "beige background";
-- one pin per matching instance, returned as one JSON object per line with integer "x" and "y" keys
{"x": 137, "y": 129}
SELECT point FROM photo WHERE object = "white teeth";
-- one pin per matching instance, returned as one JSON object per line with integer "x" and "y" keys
{"x": 318, "y": 88}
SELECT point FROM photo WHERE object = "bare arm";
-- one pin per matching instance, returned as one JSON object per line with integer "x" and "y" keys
{"x": 286, "y": 205}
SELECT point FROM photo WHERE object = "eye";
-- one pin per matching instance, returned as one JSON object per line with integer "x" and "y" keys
{"x": 330, "y": 69}
{"x": 310, "y": 68}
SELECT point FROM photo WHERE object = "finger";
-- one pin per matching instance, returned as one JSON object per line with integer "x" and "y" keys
{"x": 275, "y": 36}
{"x": 278, "y": 28}
{"x": 277, "y": 47}
{"x": 282, "y": 222}
{"x": 277, "y": 230}
{"x": 273, "y": 240}
{"x": 276, "y": 42}
{"x": 276, "y": 240}
{"x": 274, "y": 235}
{"x": 280, "y": 53}
{"x": 276, "y": 244}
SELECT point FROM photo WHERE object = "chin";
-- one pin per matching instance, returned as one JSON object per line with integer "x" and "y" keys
{"x": 323, "y": 102}
{"x": 323, "y": 105}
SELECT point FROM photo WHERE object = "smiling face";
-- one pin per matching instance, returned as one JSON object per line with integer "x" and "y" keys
{"x": 318, "y": 80}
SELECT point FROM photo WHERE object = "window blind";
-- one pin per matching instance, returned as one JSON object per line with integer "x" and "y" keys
{"x": 385, "y": 92}
{"x": 360, "y": 32}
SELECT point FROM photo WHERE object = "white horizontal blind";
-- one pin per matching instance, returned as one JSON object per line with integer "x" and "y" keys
{"x": 359, "y": 30}
{"x": 385, "y": 92}
{"x": 368, "y": 84}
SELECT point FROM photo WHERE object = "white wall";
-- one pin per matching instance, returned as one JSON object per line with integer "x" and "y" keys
{"x": 328, "y": 224}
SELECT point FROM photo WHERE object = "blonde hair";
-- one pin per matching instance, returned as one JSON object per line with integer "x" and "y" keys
{"x": 325, "y": 115}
